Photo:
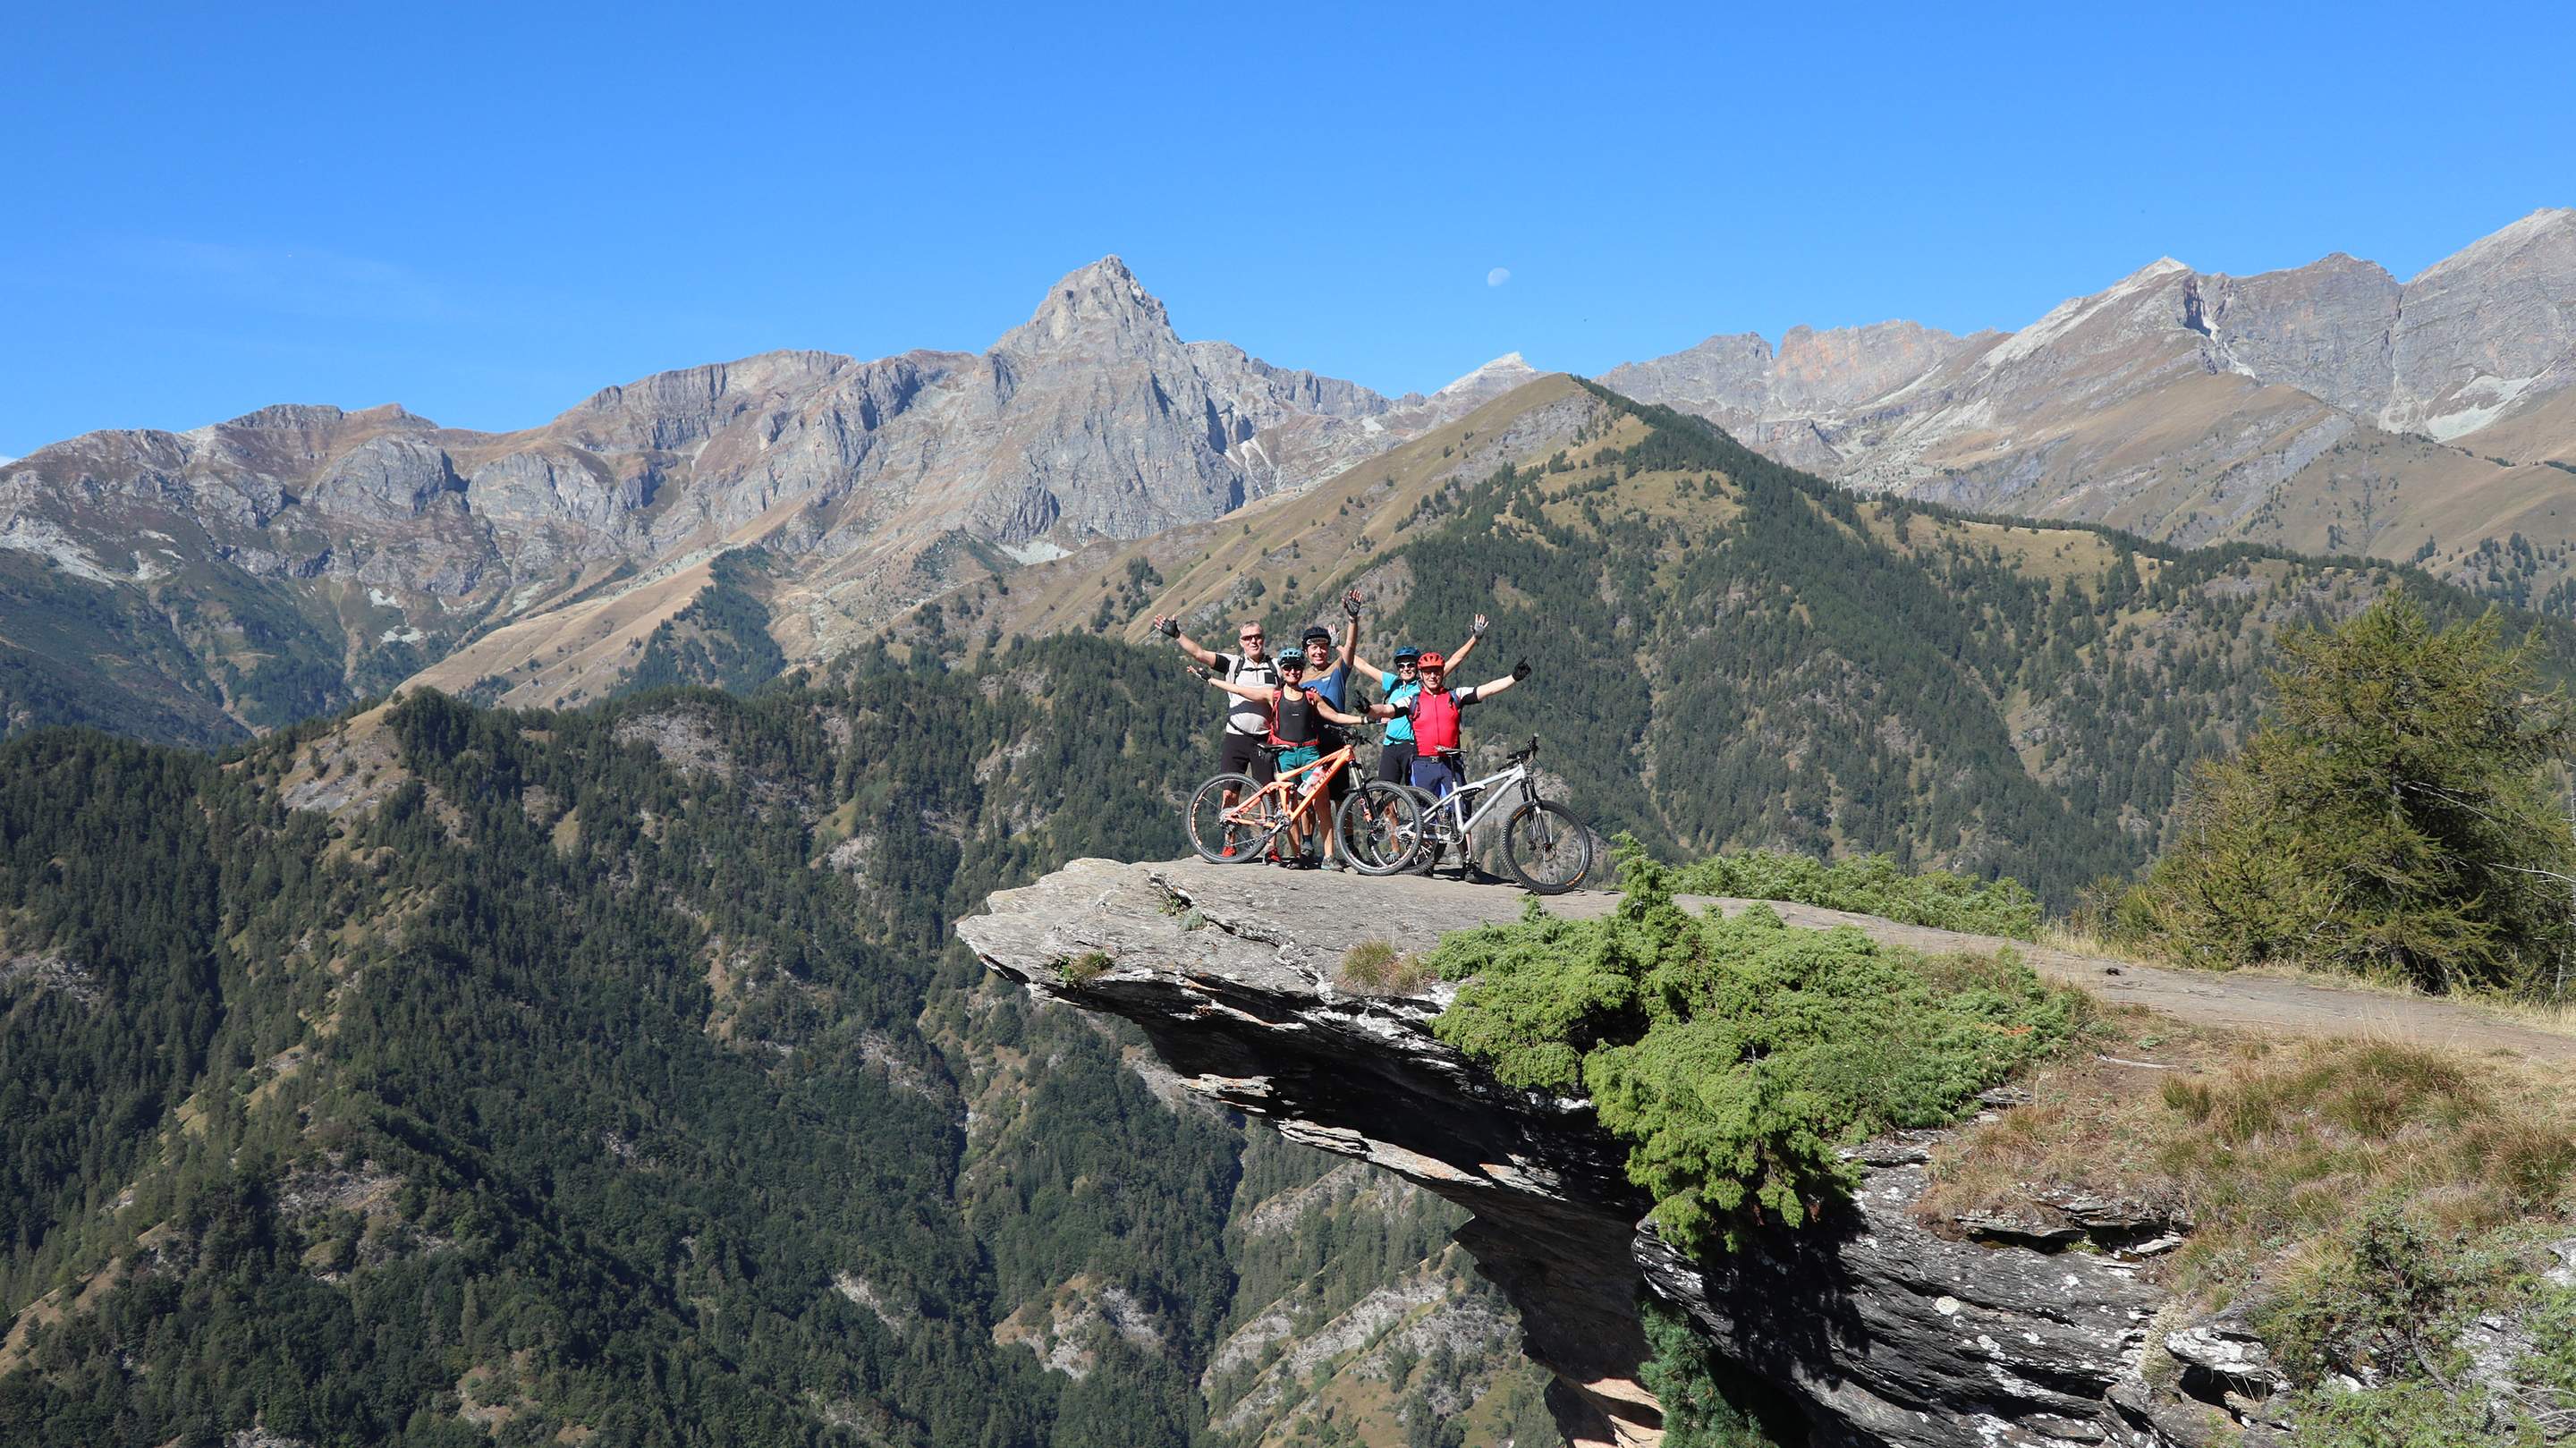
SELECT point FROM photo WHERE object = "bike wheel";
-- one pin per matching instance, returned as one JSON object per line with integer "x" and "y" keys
{"x": 1546, "y": 847}
{"x": 1380, "y": 827}
{"x": 1237, "y": 840}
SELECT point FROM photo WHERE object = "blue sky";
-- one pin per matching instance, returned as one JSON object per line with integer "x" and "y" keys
{"x": 486, "y": 212}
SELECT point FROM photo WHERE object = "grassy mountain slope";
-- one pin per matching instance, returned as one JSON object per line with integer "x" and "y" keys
{"x": 443, "y": 1075}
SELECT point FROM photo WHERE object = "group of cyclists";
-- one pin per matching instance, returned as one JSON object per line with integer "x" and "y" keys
{"x": 1293, "y": 707}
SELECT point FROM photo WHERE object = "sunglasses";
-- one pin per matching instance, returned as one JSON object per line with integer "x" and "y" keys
{"x": 1252, "y": 638}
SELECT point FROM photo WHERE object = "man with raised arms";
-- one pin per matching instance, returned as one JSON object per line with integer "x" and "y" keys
{"x": 1247, "y": 724}
{"x": 1434, "y": 713}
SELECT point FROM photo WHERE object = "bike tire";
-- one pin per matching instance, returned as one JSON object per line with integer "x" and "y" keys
{"x": 1218, "y": 841}
{"x": 1380, "y": 828}
{"x": 1546, "y": 848}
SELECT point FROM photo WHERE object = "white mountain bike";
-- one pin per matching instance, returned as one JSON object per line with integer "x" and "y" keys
{"x": 1544, "y": 846}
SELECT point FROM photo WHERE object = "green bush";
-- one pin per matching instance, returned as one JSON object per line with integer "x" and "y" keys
{"x": 1869, "y": 885}
{"x": 2393, "y": 1305}
{"x": 1735, "y": 1056}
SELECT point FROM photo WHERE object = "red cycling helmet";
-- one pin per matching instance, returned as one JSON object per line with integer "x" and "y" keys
{"x": 1431, "y": 661}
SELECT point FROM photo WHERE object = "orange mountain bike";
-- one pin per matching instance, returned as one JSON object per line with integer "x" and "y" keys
{"x": 1377, "y": 833}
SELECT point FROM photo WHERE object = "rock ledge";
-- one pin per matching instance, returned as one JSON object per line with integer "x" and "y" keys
{"x": 1873, "y": 1329}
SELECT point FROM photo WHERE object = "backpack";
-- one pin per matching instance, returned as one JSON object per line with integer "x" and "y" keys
{"x": 1435, "y": 721}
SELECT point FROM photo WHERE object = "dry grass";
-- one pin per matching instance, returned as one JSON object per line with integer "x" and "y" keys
{"x": 1376, "y": 967}
{"x": 2275, "y": 1151}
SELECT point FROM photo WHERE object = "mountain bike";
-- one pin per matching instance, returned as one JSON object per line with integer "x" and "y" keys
{"x": 1376, "y": 837}
{"x": 1544, "y": 846}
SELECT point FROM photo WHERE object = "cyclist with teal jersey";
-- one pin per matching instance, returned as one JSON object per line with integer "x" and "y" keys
{"x": 1398, "y": 684}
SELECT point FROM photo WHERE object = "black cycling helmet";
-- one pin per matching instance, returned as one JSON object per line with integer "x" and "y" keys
{"x": 1314, "y": 633}
{"x": 1407, "y": 654}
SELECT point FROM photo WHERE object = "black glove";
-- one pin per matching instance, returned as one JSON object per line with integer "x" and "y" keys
{"x": 1171, "y": 627}
{"x": 1199, "y": 674}
{"x": 1351, "y": 603}
{"x": 1520, "y": 671}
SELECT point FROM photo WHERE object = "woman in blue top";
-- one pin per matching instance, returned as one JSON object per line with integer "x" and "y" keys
{"x": 1400, "y": 684}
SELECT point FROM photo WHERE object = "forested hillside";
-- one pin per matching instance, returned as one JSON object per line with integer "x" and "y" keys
{"x": 1728, "y": 652}
{"x": 446, "y": 1076}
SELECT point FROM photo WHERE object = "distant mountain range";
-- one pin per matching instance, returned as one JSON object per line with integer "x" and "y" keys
{"x": 200, "y": 585}
{"x": 2329, "y": 408}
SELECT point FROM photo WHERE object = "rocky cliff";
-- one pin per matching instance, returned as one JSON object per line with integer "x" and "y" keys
{"x": 1871, "y": 1326}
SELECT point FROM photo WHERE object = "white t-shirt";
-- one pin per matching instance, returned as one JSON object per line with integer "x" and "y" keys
{"x": 1248, "y": 716}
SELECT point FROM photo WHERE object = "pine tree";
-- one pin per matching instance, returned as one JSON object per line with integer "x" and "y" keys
{"x": 2395, "y": 816}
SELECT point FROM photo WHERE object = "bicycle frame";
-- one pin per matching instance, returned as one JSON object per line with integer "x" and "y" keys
{"x": 1296, "y": 800}
{"x": 1491, "y": 795}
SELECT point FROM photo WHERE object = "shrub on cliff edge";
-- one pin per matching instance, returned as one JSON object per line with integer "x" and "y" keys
{"x": 1736, "y": 1056}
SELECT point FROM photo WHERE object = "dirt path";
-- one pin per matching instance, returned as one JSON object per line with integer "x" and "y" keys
{"x": 1329, "y": 912}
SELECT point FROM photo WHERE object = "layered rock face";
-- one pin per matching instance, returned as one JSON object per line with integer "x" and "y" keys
{"x": 1868, "y": 1326}
{"x": 2198, "y": 406}
{"x": 1092, "y": 420}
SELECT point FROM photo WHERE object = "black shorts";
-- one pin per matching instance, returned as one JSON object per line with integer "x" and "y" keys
{"x": 1245, "y": 754}
{"x": 1395, "y": 762}
{"x": 1335, "y": 737}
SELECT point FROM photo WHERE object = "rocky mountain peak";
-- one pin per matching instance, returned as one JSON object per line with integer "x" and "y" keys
{"x": 1099, "y": 309}
{"x": 2551, "y": 229}
{"x": 689, "y": 388}
{"x": 288, "y": 417}
{"x": 1493, "y": 379}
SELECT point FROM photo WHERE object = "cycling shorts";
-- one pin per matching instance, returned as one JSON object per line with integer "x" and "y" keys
{"x": 1395, "y": 762}
{"x": 1245, "y": 754}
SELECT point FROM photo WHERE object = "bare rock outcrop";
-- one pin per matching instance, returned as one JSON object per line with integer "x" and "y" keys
{"x": 1872, "y": 1327}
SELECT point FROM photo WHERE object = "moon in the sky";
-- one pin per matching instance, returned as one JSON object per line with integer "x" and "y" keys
{"x": 1498, "y": 276}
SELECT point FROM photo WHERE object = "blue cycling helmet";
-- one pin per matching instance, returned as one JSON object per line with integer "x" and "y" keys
{"x": 1407, "y": 654}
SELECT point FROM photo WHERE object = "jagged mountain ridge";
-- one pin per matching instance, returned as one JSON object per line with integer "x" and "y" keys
{"x": 2326, "y": 408}
{"x": 370, "y": 544}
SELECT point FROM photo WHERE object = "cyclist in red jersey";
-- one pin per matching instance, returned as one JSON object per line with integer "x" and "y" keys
{"x": 1435, "y": 712}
